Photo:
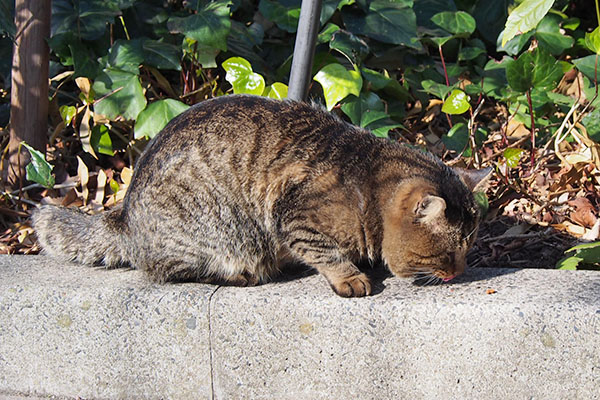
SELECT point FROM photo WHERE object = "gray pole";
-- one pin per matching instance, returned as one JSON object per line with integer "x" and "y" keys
{"x": 304, "y": 49}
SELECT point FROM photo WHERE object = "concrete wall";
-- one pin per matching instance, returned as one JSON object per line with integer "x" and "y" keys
{"x": 71, "y": 331}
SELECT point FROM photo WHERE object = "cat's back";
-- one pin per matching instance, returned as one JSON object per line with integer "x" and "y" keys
{"x": 242, "y": 139}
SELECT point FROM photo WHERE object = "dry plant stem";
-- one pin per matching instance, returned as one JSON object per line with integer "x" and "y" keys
{"x": 532, "y": 130}
{"x": 472, "y": 129}
{"x": 447, "y": 80}
{"x": 497, "y": 153}
{"x": 512, "y": 237}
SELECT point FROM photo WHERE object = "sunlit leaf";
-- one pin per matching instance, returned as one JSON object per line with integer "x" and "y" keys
{"x": 38, "y": 170}
{"x": 101, "y": 141}
{"x": 525, "y": 17}
{"x": 456, "y": 103}
{"x": 569, "y": 263}
{"x": 277, "y": 91}
{"x": 67, "y": 113}
{"x": 242, "y": 78}
{"x": 512, "y": 156}
{"x": 592, "y": 40}
{"x": 156, "y": 116}
{"x": 337, "y": 83}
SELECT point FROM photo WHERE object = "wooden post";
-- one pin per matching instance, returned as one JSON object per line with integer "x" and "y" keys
{"x": 29, "y": 92}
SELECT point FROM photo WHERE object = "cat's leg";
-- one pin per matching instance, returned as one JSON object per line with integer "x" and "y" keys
{"x": 323, "y": 255}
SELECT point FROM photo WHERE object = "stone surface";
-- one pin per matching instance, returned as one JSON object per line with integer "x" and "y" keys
{"x": 536, "y": 337}
{"x": 72, "y": 331}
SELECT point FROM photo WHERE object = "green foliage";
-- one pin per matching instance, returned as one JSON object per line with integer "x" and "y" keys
{"x": 456, "y": 103}
{"x": 583, "y": 256}
{"x": 338, "y": 83}
{"x": 156, "y": 116}
{"x": 242, "y": 78}
{"x": 120, "y": 94}
{"x": 135, "y": 64}
{"x": 38, "y": 170}
{"x": 525, "y": 17}
{"x": 512, "y": 156}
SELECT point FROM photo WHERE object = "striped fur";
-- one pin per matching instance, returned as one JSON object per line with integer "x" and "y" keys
{"x": 238, "y": 186}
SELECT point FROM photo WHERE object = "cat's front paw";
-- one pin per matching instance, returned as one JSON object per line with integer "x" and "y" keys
{"x": 352, "y": 286}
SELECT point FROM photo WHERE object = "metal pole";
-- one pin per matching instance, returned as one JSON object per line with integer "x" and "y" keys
{"x": 304, "y": 49}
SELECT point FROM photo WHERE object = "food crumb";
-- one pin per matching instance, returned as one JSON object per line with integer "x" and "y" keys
{"x": 490, "y": 291}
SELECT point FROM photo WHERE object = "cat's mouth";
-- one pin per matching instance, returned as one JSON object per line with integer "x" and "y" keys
{"x": 433, "y": 278}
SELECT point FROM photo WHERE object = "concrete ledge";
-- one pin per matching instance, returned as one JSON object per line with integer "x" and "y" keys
{"x": 70, "y": 331}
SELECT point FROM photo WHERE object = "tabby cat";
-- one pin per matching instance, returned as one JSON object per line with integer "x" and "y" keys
{"x": 238, "y": 186}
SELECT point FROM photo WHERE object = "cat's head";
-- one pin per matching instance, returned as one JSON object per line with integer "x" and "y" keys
{"x": 428, "y": 227}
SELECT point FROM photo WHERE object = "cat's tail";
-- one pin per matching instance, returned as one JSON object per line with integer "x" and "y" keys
{"x": 70, "y": 234}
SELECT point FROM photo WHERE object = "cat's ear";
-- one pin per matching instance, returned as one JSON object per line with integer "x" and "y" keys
{"x": 475, "y": 179}
{"x": 430, "y": 208}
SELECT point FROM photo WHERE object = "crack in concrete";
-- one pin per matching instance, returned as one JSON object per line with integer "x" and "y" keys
{"x": 210, "y": 345}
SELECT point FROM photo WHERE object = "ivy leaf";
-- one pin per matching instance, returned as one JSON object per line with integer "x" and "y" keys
{"x": 7, "y": 20}
{"x": 482, "y": 202}
{"x": 337, "y": 83}
{"x": 592, "y": 124}
{"x": 514, "y": 45}
{"x": 210, "y": 26}
{"x": 350, "y": 45}
{"x": 549, "y": 36}
{"x": 355, "y": 107}
{"x": 124, "y": 94}
{"x": 592, "y": 40}
{"x": 67, "y": 113}
{"x": 589, "y": 253}
{"x": 458, "y": 23}
{"x": 457, "y": 138}
{"x": 277, "y": 91}
{"x": 533, "y": 69}
{"x": 88, "y": 19}
{"x": 126, "y": 55}
{"x": 156, "y": 116}
{"x": 569, "y": 263}
{"x": 525, "y": 17}
{"x": 388, "y": 22}
{"x": 38, "y": 170}
{"x": 284, "y": 13}
{"x": 456, "y": 103}
{"x": 437, "y": 89}
{"x": 587, "y": 66}
{"x": 161, "y": 55}
{"x": 84, "y": 63}
{"x": 378, "y": 81}
{"x": 242, "y": 78}
{"x": 512, "y": 156}
{"x": 101, "y": 141}
{"x": 470, "y": 53}
{"x": 519, "y": 73}
{"x": 546, "y": 70}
